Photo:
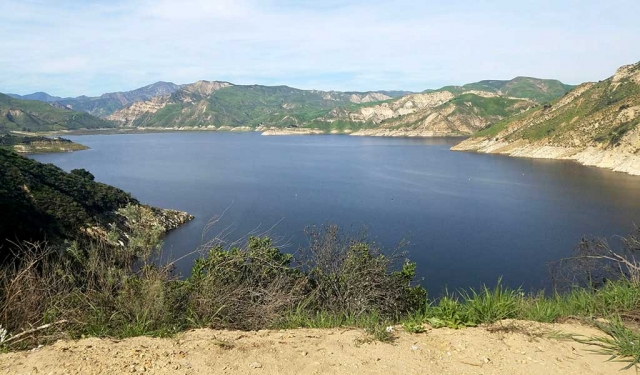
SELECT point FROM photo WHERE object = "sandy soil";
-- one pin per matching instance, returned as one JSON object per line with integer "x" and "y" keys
{"x": 507, "y": 348}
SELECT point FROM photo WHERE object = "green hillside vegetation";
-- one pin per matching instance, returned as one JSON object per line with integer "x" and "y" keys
{"x": 41, "y": 201}
{"x": 38, "y": 144}
{"x": 594, "y": 115}
{"x": 242, "y": 106}
{"x": 486, "y": 107}
{"x": 538, "y": 90}
{"x": 36, "y": 116}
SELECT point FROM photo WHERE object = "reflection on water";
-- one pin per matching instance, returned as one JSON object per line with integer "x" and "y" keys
{"x": 470, "y": 218}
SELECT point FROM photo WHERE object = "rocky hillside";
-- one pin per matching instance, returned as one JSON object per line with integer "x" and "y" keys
{"x": 41, "y": 201}
{"x": 34, "y": 116}
{"x": 595, "y": 124}
{"x": 463, "y": 114}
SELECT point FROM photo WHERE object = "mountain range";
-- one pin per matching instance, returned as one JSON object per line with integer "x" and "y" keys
{"x": 217, "y": 104}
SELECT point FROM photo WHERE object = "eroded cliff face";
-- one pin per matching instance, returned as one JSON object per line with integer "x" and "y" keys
{"x": 192, "y": 93}
{"x": 368, "y": 97}
{"x": 596, "y": 124}
{"x": 127, "y": 115}
{"x": 400, "y": 107}
{"x": 445, "y": 115}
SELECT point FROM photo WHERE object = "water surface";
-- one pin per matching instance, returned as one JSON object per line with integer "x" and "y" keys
{"x": 470, "y": 218}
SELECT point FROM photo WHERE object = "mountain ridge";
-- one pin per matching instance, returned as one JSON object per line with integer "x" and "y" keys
{"x": 221, "y": 105}
{"x": 279, "y": 108}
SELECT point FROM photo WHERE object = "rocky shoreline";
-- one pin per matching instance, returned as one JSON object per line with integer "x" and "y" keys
{"x": 116, "y": 228}
{"x": 292, "y": 131}
{"x": 170, "y": 219}
{"x": 614, "y": 159}
{"x": 404, "y": 132}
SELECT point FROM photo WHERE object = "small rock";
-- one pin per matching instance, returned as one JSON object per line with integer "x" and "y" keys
{"x": 414, "y": 347}
{"x": 255, "y": 365}
{"x": 486, "y": 360}
{"x": 304, "y": 354}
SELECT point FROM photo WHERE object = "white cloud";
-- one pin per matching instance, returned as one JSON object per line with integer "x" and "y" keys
{"x": 78, "y": 47}
{"x": 196, "y": 10}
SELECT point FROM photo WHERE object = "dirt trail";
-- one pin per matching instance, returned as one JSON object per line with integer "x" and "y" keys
{"x": 499, "y": 349}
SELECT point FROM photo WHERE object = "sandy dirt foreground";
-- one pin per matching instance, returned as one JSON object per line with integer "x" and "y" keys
{"x": 495, "y": 350}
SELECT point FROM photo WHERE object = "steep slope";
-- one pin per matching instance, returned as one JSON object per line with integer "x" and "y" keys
{"x": 42, "y": 202}
{"x": 26, "y": 115}
{"x": 460, "y": 115}
{"x": 595, "y": 124}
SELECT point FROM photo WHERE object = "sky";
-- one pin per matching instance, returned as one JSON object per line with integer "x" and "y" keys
{"x": 89, "y": 47}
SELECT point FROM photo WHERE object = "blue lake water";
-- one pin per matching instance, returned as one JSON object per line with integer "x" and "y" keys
{"x": 470, "y": 218}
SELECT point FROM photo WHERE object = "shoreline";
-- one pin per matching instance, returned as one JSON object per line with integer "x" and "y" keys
{"x": 614, "y": 160}
{"x": 264, "y": 131}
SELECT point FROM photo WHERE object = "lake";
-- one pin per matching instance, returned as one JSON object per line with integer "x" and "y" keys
{"x": 470, "y": 218}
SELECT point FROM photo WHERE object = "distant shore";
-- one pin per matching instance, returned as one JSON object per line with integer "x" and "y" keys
{"x": 263, "y": 130}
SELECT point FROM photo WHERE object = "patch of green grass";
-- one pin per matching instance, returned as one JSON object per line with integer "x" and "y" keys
{"x": 491, "y": 305}
{"x": 621, "y": 344}
{"x": 413, "y": 323}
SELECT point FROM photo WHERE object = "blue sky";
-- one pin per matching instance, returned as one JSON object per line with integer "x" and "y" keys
{"x": 70, "y": 48}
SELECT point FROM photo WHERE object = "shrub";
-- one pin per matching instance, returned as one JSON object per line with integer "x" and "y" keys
{"x": 356, "y": 277}
{"x": 246, "y": 288}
